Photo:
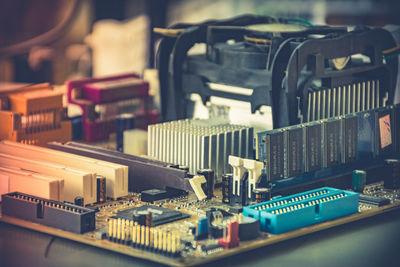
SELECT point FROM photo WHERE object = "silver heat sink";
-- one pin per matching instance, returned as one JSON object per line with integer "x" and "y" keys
{"x": 200, "y": 144}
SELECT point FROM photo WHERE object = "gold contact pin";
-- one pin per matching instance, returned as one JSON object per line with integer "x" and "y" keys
{"x": 127, "y": 229}
{"x": 169, "y": 242}
{"x": 119, "y": 228}
{"x": 173, "y": 247}
{"x": 114, "y": 228}
{"x": 142, "y": 235}
{"x": 110, "y": 227}
{"x": 164, "y": 245}
{"x": 147, "y": 241}
{"x": 123, "y": 229}
{"x": 160, "y": 240}
{"x": 137, "y": 226}
{"x": 155, "y": 244}
{"x": 133, "y": 233}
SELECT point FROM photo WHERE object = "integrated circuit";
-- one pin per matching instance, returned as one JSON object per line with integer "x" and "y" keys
{"x": 294, "y": 151}
{"x": 159, "y": 215}
{"x": 349, "y": 138}
{"x": 331, "y": 143}
{"x": 313, "y": 146}
{"x": 275, "y": 149}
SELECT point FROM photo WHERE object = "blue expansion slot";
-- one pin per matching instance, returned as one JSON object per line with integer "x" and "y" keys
{"x": 52, "y": 213}
{"x": 303, "y": 209}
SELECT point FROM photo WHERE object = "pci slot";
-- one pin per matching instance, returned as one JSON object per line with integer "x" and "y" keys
{"x": 76, "y": 182}
{"x": 31, "y": 183}
{"x": 144, "y": 173}
{"x": 116, "y": 174}
{"x": 51, "y": 213}
{"x": 303, "y": 209}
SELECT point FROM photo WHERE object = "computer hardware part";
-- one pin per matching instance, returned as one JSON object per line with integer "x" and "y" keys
{"x": 298, "y": 70}
{"x": 31, "y": 183}
{"x": 200, "y": 144}
{"x": 292, "y": 212}
{"x": 52, "y": 213}
{"x": 33, "y": 114}
{"x": 116, "y": 175}
{"x": 103, "y": 99}
{"x": 76, "y": 182}
{"x": 144, "y": 173}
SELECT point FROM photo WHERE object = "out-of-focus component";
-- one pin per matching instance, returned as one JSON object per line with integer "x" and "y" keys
{"x": 209, "y": 187}
{"x": 200, "y": 144}
{"x": 196, "y": 183}
{"x": 373, "y": 200}
{"x": 144, "y": 173}
{"x": 248, "y": 228}
{"x": 392, "y": 174}
{"x": 359, "y": 180}
{"x": 101, "y": 188}
{"x": 33, "y": 115}
{"x": 152, "y": 195}
{"x": 261, "y": 194}
{"x": 52, "y": 213}
{"x": 226, "y": 188}
{"x": 230, "y": 238}
{"x": 116, "y": 175}
{"x": 124, "y": 121}
{"x": 202, "y": 228}
{"x": 36, "y": 184}
{"x": 288, "y": 213}
{"x": 76, "y": 182}
{"x": 135, "y": 142}
{"x": 303, "y": 72}
{"x": 103, "y": 99}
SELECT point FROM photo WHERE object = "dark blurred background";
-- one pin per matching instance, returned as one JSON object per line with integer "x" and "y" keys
{"x": 47, "y": 40}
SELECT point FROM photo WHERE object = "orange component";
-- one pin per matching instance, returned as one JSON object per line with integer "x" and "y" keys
{"x": 33, "y": 115}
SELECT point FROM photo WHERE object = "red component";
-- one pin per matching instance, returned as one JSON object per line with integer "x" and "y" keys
{"x": 231, "y": 240}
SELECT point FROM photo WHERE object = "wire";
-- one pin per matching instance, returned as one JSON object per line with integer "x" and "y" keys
{"x": 303, "y": 21}
{"x": 391, "y": 50}
{"x": 47, "y": 37}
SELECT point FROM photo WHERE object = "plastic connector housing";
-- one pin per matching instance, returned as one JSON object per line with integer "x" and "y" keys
{"x": 52, "y": 213}
{"x": 303, "y": 209}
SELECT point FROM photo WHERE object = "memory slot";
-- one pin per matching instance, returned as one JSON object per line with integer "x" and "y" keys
{"x": 330, "y": 204}
{"x": 52, "y": 213}
{"x": 13, "y": 180}
{"x": 116, "y": 175}
{"x": 76, "y": 182}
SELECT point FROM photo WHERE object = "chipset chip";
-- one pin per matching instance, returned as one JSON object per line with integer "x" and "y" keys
{"x": 159, "y": 215}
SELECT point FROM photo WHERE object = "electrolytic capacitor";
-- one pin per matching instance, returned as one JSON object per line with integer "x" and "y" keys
{"x": 261, "y": 194}
{"x": 392, "y": 174}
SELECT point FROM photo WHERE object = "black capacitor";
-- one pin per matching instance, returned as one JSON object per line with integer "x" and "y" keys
{"x": 209, "y": 175}
{"x": 226, "y": 180}
{"x": 392, "y": 174}
{"x": 79, "y": 201}
{"x": 101, "y": 188}
{"x": 261, "y": 194}
{"x": 248, "y": 228}
{"x": 124, "y": 122}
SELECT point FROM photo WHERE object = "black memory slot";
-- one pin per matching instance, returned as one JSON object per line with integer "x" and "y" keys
{"x": 294, "y": 151}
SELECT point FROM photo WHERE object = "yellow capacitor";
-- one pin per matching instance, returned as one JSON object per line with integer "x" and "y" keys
{"x": 151, "y": 237}
{"x": 178, "y": 242}
{"x": 134, "y": 234}
{"x": 127, "y": 229}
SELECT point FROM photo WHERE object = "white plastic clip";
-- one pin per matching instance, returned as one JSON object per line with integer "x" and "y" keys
{"x": 238, "y": 172}
{"x": 254, "y": 168}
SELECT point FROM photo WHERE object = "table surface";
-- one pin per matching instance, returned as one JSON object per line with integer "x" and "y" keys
{"x": 373, "y": 241}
